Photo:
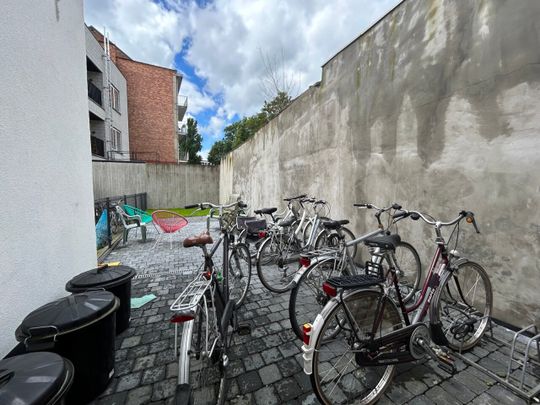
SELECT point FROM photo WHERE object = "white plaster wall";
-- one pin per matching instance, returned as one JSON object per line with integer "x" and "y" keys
{"x": 47, "y": 234}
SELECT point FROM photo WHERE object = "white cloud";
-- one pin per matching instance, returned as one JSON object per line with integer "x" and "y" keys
{"x": 144, "y": 30}
{"x": 215, "y": 126}
{"x": 198, "y": 100}
{"x": 227, "y": 38}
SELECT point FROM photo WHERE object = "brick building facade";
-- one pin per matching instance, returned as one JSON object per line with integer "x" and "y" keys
{"x": 153, "y": 110}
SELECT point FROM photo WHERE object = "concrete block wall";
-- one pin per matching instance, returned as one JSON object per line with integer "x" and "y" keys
{"x": 436, "y": 107}
{"x": 167, "y": 185}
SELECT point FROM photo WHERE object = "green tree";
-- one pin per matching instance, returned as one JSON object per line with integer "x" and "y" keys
{"x": 278, "y": 104}
{"x": 240, "y": 131}
{"x": 192, "y": 142}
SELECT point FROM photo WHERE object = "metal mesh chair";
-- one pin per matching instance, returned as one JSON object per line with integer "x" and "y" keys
{"x": 167, "y": 223}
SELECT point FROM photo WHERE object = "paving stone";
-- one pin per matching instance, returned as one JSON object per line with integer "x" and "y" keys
{"x": 136, "y": 352}
{"x": 308, "y": 399}
{"x": 288, "y": 367}
{"x": 139, "y": 395}
{"x": 269, "y": 374}
{"x": 271, "y": 355}
{"x": 458, "y": 391}
{"x": 128, "y": 382}
{"x": 253, "y": 362}
{"x": 164, "y": 389}
{"x": 287, "y": 389}
{"x": 144, "y": 362}
{"x": 440, "y": 396}
{"x": 303, "y": 381}
{"x": 504, "y": 396}
{"x": 398, "y": 394}
{"x": 236, "y": 368}
{"x": 288, "y": 349}
{"x": 130, "y": 342}
{"x": 153, "y": 375}
{"x": 246, "y": 399}
{"x": 123, "y": 367}
{"x": 421, "y": 400}
{"x": 266, "y": 396}
{"x": 115, "y": 399}
{"x": 249, "y": 382}
{"x": 472, "y": 382}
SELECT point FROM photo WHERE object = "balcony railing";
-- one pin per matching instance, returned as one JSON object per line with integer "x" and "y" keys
{"x": 182, "y": 107}
{"x": 94, "y": 93}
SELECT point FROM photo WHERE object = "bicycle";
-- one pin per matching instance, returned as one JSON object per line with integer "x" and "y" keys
{"x": 352, "y": 349}
{"x": 307, "y": 297}
{"x": 207, "y": 309}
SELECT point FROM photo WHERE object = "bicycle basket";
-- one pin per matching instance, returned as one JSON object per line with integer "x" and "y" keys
{"x": 255, "y": 226}
{"x": 241, "y": 221}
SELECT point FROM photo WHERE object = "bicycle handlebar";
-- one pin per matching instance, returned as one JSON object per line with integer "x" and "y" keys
{"x": 204, "y": 205}
{"x": 415, "y": 215}
{"x": 295, "y": 198}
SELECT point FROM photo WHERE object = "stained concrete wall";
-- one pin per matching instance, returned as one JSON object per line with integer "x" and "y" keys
{"x": 47, "y": 217}
{"x": 437, "y": 106}
{"x": 167, "y": 185}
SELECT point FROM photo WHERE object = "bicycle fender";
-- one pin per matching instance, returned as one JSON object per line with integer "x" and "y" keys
{"x": 302, "y": 269}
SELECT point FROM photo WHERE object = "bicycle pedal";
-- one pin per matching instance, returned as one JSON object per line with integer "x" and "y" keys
{"x": 448, "y": 367}
{"x": 243, "y": 329}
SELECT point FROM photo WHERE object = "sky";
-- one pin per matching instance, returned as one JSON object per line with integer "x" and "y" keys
{"x": 220, "y": 46}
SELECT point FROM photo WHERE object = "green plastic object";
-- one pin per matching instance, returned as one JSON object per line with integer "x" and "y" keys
{"x": 138, "y": 302}
{"x": 146, "y": 218}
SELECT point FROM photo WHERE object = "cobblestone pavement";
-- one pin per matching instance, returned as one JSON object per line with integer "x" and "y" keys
{"x": 266, "y": 367}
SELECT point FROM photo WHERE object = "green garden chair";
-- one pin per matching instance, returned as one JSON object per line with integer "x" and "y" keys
{"x": 146, "y": 218}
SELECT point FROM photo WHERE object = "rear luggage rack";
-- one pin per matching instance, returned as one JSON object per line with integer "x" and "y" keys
{"x": 356, "y": 281}
{"x": 192, "y": 294}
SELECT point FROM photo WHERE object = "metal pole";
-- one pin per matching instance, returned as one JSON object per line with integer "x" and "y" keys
{"x": 109, "y": 237}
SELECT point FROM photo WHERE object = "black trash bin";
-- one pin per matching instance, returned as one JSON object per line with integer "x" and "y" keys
{"x": 35, "y": 379}
{"x": 81, "y": 328}
{"x": 116, "y": 279}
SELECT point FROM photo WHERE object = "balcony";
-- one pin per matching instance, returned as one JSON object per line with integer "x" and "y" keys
{"x": 94, "y": 93}
{"x": 181, "y": 107}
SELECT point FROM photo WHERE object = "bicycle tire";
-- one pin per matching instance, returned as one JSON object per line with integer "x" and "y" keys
{"x": 409, "y": 269}
{"x": 307, "y": 297}
{"x": 459, "y": 299}
{"x": 239, "y": 273}
{"x": 346, "y": 382}
{"x": 227, "y": 331}
{"x": 327, "y": 238}
{"x": 275, "y": 265}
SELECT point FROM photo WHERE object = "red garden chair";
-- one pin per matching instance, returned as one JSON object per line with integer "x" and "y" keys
{"x": 167, "y": 223}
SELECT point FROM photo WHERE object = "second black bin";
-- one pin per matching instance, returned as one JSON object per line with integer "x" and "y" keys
{"x": 116, "y": 279}
{"x": 81, "y": 328}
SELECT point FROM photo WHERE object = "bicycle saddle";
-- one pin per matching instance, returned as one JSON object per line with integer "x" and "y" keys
{"x": 335, "y": 224}
{"x": 198, "y": 240}
{"x": 384, "y": 241}
{"x": 287, "y": 222}
{"x": 265, "y": 211}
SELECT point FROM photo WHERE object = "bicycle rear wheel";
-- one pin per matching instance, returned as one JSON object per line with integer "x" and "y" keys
{"x": 339, "y": 375}
{"x": 239, "y": 273}
{"x": 463, "y": 305}
{"x": 307, "y": 297}
{"x": 205, "y": 369}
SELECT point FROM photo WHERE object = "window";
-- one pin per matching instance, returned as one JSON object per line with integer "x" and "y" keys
{"x": 116, "y": 139}
{"x": 115, "y": 98}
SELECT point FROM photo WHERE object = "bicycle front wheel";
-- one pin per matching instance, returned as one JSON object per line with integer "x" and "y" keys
{"x": 408, "y": 269}
{"x": 277, "y": 264}
{"x": 463, "y": 305}
{"x": 239, "y": 273}
{"x": 339, "y": 374}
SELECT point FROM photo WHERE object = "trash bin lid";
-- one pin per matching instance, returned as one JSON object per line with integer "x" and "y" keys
{"x": 66, "y": 314}
{"x": 32, "y": 378}
{"x": 101, "y": 277}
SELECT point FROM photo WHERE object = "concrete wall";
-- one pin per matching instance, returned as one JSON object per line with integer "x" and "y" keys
{"x": 167, "y": 185}
{"x": 437, "y": 106}
{"x": 47, "y": 234}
